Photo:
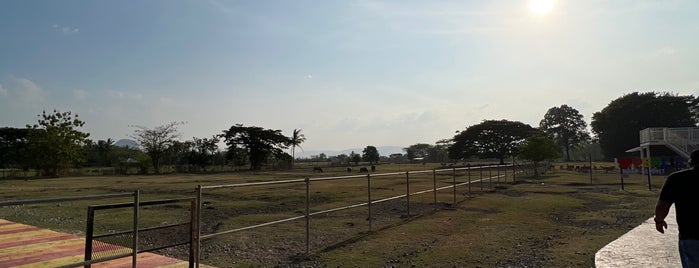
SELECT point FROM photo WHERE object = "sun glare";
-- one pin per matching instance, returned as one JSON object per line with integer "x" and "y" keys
{"x": 541, "y": 7}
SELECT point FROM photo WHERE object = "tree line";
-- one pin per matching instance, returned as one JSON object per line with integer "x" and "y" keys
{"x": 55, "y": 141}
{"x": 563, "y": 129}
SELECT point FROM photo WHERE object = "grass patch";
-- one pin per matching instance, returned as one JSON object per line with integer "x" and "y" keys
{"x": 559, "y": 219}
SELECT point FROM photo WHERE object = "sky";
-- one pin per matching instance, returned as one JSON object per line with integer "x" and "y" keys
{"x": 348, "y": 73}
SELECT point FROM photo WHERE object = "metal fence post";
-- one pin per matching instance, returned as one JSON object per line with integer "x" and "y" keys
{"x": 453, "y": 176}
{"x": 621, "y": 174}
{"x": 135, "y": 228}
{"x": 469, "y": 178}
{"x": 434, "y": 188}
{"x": 308, "y": 213}
{"x": 649, "y": 187}
{"x": 480, "y": 170}
{"x": 89, "y": 233}
{"x": 514, "y": 171}
{"x": 498, "y": 173}
{"x": 192, "y": 232}
{"x": 197, "y": 248}
{"x": 490, "y": 176}
{"x": 407, "y": 192}
{"x": 368, "y": 189}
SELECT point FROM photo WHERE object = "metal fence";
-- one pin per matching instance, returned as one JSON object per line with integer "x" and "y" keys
{"x": 127, "y": 243}
{"x": 133, "y": 252}
{"x": 110, "y": 245}
{"x": 484, "y": 176}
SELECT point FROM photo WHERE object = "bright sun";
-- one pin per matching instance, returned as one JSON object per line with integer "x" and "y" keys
{"x": 540, "y": 6}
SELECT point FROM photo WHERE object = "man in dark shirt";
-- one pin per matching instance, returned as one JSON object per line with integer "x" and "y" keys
{"x": 682, "y": 189}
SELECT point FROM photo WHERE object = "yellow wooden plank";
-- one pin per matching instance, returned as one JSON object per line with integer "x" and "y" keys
{"x": 39, "y": 247}
{"x": 30, "y": 234}
{"x": 175, "y": 265}
{"x": 12, "y": 226}
{"x": 55, "y": 262}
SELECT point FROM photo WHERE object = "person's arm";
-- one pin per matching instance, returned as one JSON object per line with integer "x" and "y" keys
{"x": 662, "y": 208}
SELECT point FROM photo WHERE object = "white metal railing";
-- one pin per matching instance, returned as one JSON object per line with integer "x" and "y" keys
{"x": 493, "y": 172}
{"x": 688, "y": 135}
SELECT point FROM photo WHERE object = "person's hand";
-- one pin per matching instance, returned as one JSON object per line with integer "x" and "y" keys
{"x": 660, "y": 226}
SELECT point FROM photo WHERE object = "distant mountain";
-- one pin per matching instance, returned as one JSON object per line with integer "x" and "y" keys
{"x": 126, "y": 143}
{"x": 383, "y": 151}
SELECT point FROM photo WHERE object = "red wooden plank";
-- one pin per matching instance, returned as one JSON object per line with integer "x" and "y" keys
{"x": 23, "y": 228}
{"x": 35, "y": 240}
{"x": 41, "y": 257}
{"x": 29, "y": 253}
{"x": 42, "y": 254}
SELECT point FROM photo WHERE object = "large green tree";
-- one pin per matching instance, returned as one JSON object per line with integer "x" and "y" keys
{"x": 418, "y": 150}
{"x": 56, "y": 141}
{"x": 202, "y": 151}
{"x": 565, "y": 125}
{"x": 355, "y": 157}
{"x": 538, "y": 148}
{"x": 428, "y": 152}
{"x": 490, "y": 139}
{"x": 258, "y": 143}
{"x": 156, "y": 142}
{"x": 14, "y": 146}
{"x": 104, "y": 149}
{"x": 371, "y": 154}
{"x": 617, "y": 126}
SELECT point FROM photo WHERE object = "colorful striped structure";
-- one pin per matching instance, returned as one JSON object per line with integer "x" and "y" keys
{"x": 29, "y": 246}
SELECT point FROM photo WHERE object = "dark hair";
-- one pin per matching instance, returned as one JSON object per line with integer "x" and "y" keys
{"x": 694, "y": 158}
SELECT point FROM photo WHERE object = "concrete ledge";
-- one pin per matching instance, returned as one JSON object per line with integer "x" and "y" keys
{"x": 643, "y": 247}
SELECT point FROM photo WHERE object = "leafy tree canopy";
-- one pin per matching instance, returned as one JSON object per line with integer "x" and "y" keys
{"x": 56, "y": 141}
{"x": 565, "y": 125}
{"x": 490, "y": 139}
{"x": 428, "y": 152}
{"x": 356, "y": 158}
{"x": 538, "y": 148}
{"x": 155, "y": 142}
{"x": 617, "y": 126}
{"x": 14, "y": 146}
{"x": 258, "y": 143}
{"x": 418, "y": 150}
{"x": 370, "y": 154}
{"x": 202, "y": 151}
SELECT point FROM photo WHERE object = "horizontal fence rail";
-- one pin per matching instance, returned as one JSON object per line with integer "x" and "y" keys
{"x": 137, "y": 232}
{"x": 88, "y": 261}
{"x": 419, "y": 182}
{"x": 501, "y": 172}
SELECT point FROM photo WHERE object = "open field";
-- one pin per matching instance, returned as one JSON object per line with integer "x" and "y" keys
{"x": 556, "y": 220}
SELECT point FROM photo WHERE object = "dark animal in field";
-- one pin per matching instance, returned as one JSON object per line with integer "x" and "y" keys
{"x": 349, "y": 169}
{"x": 608, "y": 169}
{"x": 317, "y": 169}
{"x": 373, "y": 168}
{"x": 363, "y": 170}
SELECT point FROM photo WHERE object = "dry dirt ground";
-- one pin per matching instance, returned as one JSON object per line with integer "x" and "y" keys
{"x": 560, "y": 219}
{"x": 556, "y": 220}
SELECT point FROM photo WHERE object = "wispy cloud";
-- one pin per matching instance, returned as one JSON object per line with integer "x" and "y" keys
{"x": 28, "y": 91}
{"x": 308, "y": 77}
{"x": 662, "y": 52}
{"x": 125, "y": 95}
{"x": 65, "y": 29}
{"x": 666, "y": 51}
{"x": 3, "y": 91}
{"x": 80, "y": 94}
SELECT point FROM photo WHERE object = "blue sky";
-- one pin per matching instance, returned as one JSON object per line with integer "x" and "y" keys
{"x": 348, "y": 73}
